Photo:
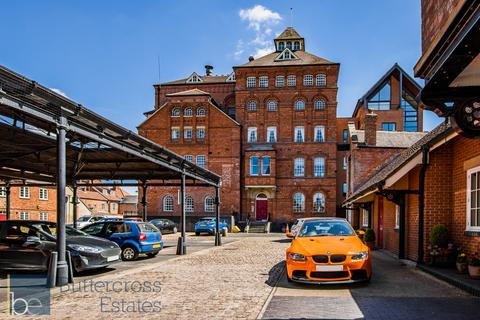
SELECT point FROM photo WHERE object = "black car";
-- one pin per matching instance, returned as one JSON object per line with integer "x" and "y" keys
{"x": 165, "y": 225}
{"x": 27, "y": 245}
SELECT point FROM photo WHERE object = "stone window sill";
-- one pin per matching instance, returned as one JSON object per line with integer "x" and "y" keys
{"x": 471, "y": 233}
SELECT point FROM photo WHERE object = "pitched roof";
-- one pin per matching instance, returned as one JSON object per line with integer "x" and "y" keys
{"x": 304, "y": 58}
{"x": 289, "y": 33}
{"x": 386, "y": 139}
{"x": 191, "y": 92}
{"x": 206, "y": 79}
{"x": 91, "y": 195}
{"x": 392, "y": 166}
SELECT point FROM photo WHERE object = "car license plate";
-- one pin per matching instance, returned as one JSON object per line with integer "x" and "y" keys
{"x": 157, "y": 245}
{"x": 329, "y": 268}
{"x": 202, "y": 225}
{"x": 112, "y": 258}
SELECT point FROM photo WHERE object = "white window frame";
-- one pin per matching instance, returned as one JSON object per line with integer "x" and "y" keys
{"x": 291, "y": 80}
{"x": 189, "y": 157}
{"x": 200, "y": 135}
{"x": 263, "y": 82}
{"x": 252, "y": 136}
{"x": 344, "y": 163}
{"x": 280, "y": 81}
{"x": 262, "y": 170}
{"x": 258, "y": 166}
{"x": 315, "y": 133}
{"x": 209, "y": 204}
{"x": 188, "y": 133}
{"x": 43, "y": 193}
{"x": 321, "y": 80}
{"x": 251, "y": 82}
{"x": 299, "y": 167}
{"x": 320, "y": 195}
{"x": 202, "y": 161}
{"x": 271, "y": 130}
{"x": 350, "y": 216}
{"x": 469, "y": 226}
{"x": 174, "y": 112}
{"x": 301, "y": 130}
{"x": 365, "y": 218}
{"x": 24, "y": 215}
{"x": 3, "y": 192}
{"x": 308, "y": 80}
{"x": 24, "y": 193}
{"x": 319, "y": 104}
{"x": 168, "y": 207}
{"x": 272, "y": 105}
{"x": 252, "y": 106}
{"x": 397, "y": 217}
{"x": 188, "y": 112}
{"x": 178, "y": 134}
{"x": 299, "y": 105}
{"x": 201, "y": 112}
{"x": 43, "y": 216}
{"x": 298, "y": 207}
{"x": 319, "y": 167}
{"x": 189, "y": 204}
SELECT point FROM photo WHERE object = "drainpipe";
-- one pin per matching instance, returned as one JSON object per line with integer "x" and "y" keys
{"x": 421, "y": 201}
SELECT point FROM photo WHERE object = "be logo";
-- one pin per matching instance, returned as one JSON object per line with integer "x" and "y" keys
{"x": 28, "y": 295}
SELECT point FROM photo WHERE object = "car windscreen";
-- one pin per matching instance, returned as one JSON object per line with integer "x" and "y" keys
{"x": 83, "y": 219}
{"x": 52, "y": 229}
{"x": 205, "y": 220}
{"x": 325, "y": 228}
{"x": 147, "y": 227}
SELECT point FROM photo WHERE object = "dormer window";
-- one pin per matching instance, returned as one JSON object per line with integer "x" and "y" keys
{"x": 194, "y": 78}
{"x": 281, "y": 46}
{"x": 296, "y": 45}
{"x": 287, "y": 54}
{"x": 289, "y": 45}
{"x": 176, "y": 112}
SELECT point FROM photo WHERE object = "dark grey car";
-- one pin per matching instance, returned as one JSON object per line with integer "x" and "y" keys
{"x": 27, "y": 245}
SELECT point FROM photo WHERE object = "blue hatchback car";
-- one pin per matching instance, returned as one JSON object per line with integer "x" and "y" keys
{"x": 133, "y": 237}
{"x": 207, "y": 225}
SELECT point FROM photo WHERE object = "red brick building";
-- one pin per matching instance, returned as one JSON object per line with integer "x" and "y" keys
{"x": 30, "y": 203}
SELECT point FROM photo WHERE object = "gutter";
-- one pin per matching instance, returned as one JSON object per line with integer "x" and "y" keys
{"x": 421, "y": 201}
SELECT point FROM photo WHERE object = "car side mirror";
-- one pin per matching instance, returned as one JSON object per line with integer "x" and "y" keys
{"x": 289, "y": 235}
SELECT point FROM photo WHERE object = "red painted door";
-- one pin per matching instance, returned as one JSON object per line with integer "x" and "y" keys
{"x": 380, "y": 223}
{"x": 261, "y": 209}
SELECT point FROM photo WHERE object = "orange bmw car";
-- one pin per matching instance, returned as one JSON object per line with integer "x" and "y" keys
{"x": 327, "y": 250}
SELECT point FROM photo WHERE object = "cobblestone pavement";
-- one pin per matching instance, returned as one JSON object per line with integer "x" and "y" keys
{"x": 232, "y": 281}
{"x": 396, "y": 291}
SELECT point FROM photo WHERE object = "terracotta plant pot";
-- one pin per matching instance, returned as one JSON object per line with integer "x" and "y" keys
{"x": 474, "y": 272}
{"x": 461, "y": 267}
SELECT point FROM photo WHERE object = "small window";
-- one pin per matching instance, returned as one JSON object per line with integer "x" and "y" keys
{"x": 289, "y": 45}
{"x": 201, "y": 161}
{"x": 319, "y": 167}
{"x": 252, "y": 105}
{"x": 188, "y": 112}
{"x": 209, "y": 204}
{"x": 281, "y": 46}
{"x": 344, "y": 162}
{"x": 189, "y": 158}
{"x": 201, "y": 112}
{"x": 43, "y": 216}
{"x": 308, "y": 80}
{"x": 319, "y": 202}
{"x": 251, "y": 82}
{"x": 298, "y": 202}
{"x": 365, "y": 218}
{"x": 189, "y": 204}
{"x": 24, "y": 192}
{"x": 296, "y": 45}
{"x": 43, "y": 194}
{"x": 397, "y": 216}
{"x": 252, "y": 135}
{"x": 176, "y": 112}
{"x": 24, "y": 215}
{"x": 291, "y": 80}
{"x": 299, "y": 105}
{"x": 345, "y": 136}
{"x": 272, "y": 105}
{"x": 473, "y": 199}
{"x": 271, "y": 134}
{"x": 389, "y": 126}
{"x": 321, "y": 80}
{"x": 168, "y": 203}
{"x": 344, "y": 188}
{"x": 319, "y": 104}
{"x": 188, "y": 133}
{"x": 201, "y": 133}
{"x": 263, "y": 82}
{"x": 3, "y": 192}
{"x": 265, "y": 166}
{"x": 299, "y": 134}
{"x": 319, "y": 134}
{"x": 254, "y": 166}
{"x": 299, "y": 167}
{"x": 280, "y": 81}
{"x": 175, "y": 133}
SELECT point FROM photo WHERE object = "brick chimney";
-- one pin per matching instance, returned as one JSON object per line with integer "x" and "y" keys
{"x": 371, "y": 129}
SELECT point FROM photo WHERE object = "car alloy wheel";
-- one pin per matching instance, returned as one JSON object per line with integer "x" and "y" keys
{"x": 129, "y": 253}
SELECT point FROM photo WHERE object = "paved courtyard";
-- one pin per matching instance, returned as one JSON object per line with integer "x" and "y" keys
{"x": 244, "y": 279}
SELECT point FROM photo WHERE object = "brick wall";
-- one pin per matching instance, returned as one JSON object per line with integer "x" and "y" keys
{"x": 33, "y": 205}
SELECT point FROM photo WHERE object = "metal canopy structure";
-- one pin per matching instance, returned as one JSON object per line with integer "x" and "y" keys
{"x": 48, "y": 139}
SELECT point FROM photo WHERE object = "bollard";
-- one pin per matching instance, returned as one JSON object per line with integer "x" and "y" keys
{"x": 52, "y": 270}
{"x": 70, "y": 267}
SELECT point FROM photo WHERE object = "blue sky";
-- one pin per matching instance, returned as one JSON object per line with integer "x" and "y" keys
{"x": 105, "y": 54}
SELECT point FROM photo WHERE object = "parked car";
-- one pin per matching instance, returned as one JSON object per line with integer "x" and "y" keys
{"x": 165, "y": 225}
{"x": 27, "y": 246}
{"x": 133, "y": 219}
{"x": 297, "y": 224}
{"x": 110, "y": 219}
{"x": 85, "y": 220}
{"x": 133, "y": 237}
{"x": 207, "y": 225}
{"x": 327, "y": 250}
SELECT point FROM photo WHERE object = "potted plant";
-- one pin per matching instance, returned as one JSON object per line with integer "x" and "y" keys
{"x": 439, "y": 248}
{"x": 474, "y": 267}
{"x": 461, "y": 263}
{"x": 369, "y": 238}
{"x": 360, "y": 233}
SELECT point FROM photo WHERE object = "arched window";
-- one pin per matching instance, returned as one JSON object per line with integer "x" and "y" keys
{"x": 321, "y": 80}
{"x": 289, "y": 45}
{"x": 189, "y": 204}
{"x": 272, "y": 105}
{"x": 298, "y": 202}
{"x": 168, "y": 203}
{"x": 319, "y": 104}
{"x": 319, "y": 202}
{"x": 296, "y": 45}
{"x": 299, "y": 105}
{"x": 176, "y": 112}
{"x": 201, "y": 112}
{"x": 252, "y": 105}
{"x": 188, "y": 112}
{"x": 209, "y": 204}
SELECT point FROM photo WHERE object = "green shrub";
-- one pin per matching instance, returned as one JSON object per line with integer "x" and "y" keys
{"x": 369, "y": 235}
{"x": 474, "y": 261}
{"x": 439, "y": 236}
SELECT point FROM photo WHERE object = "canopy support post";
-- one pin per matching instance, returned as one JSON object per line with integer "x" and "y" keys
{"x": 62, "y": 266}
{"x": 7, "y": 199}
{"x": 74, "y": 202}
{"x": 218, "y": 239}
{"x": 181, "y": 247}
{"x": 144, "y": 201}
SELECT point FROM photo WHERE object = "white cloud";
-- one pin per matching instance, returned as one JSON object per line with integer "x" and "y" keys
{"x": 58, "y": 91}
{"x": 262, "y": 21}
